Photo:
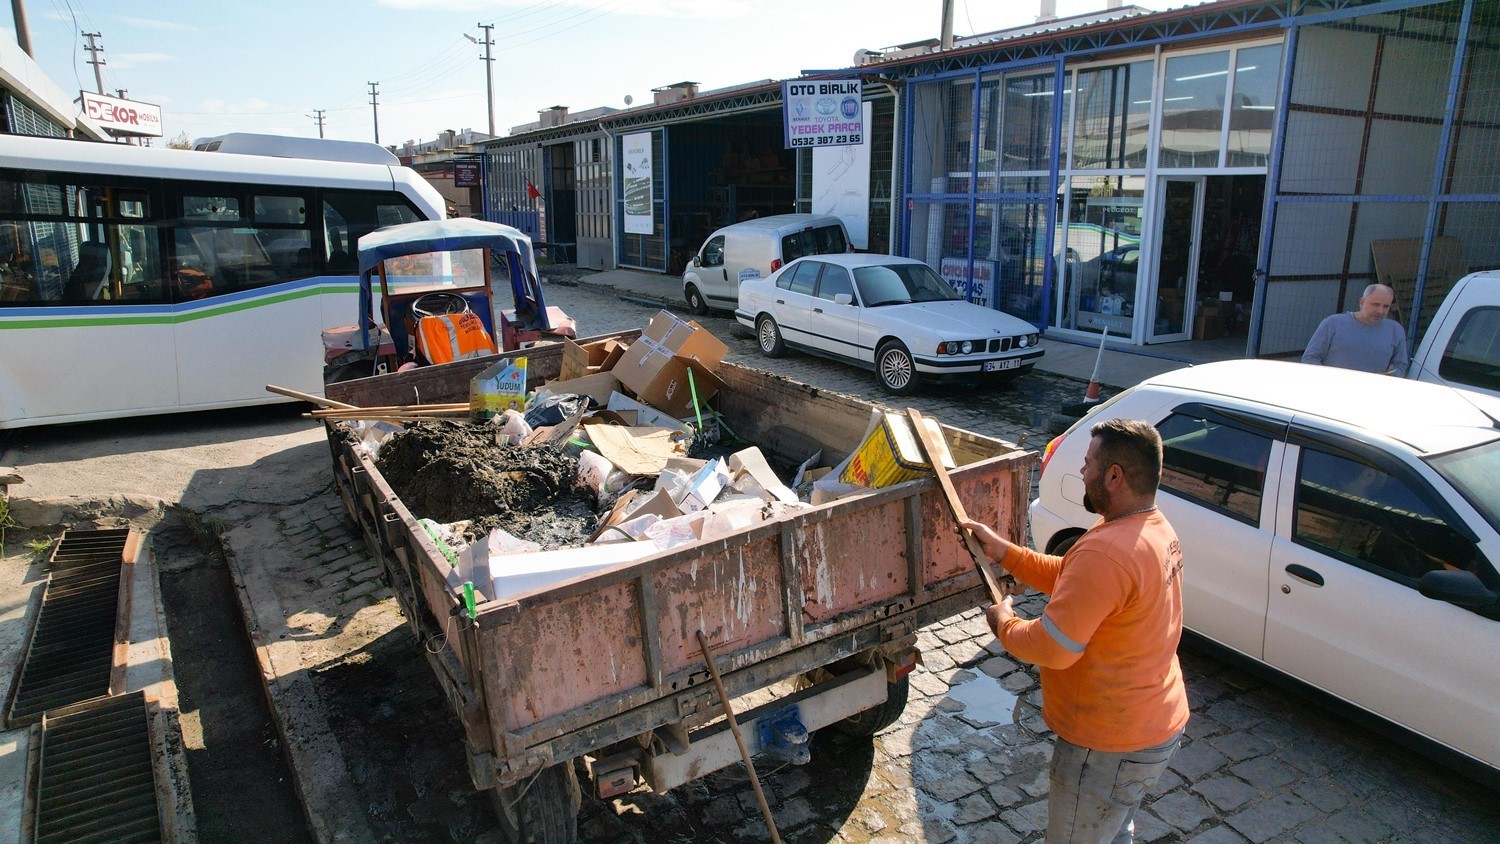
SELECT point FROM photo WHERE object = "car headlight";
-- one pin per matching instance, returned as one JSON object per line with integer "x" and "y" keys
{"x": 968, "y": 346}
{"x": 1023, "y": 341}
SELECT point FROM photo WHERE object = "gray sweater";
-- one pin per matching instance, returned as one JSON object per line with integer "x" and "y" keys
{"x": 1342, "y": 340}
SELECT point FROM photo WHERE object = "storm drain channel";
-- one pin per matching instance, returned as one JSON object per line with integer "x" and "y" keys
{"x": 72, "y": 650}
{"x": 95, "y": 778}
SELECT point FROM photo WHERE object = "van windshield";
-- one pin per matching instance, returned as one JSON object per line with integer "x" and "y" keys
{"x": 900, "y": 284}
{"x": 1475, "y": 473}
{"x": 821, "y": 240}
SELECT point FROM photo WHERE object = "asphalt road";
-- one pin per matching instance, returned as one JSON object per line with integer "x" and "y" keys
{"x": 966, "y": 763}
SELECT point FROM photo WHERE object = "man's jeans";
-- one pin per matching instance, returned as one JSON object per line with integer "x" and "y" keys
{"x": 1095, "y": 794}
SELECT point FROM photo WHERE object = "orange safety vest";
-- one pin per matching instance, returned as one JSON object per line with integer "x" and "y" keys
{"x": 448, "y": 337}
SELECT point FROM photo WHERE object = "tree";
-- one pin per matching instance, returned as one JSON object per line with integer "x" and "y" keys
{"x": 181, "y": 141}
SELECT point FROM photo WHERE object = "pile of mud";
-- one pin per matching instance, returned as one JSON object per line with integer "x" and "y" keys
{"x": 452, "y": 472}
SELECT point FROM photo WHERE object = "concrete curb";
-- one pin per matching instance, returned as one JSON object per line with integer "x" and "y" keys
{"x": 332, "y": 806}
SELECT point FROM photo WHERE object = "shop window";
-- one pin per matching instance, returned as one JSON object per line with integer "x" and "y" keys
{"x": 1192, "y": 109}
{"x": 1112, "y": 119}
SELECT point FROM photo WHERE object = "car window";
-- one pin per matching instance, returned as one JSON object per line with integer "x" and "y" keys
{"x": 1219, "y": 465}
{"x": 1364, "y": 515}
{"x": 835, "y": 281}
{"x": 713, "y": 252}
{"x": 1473, "y": 354}
{"x": 898, "y": 284}
{"x": 1475, "y": 473}
{"x": 823, "y": 240}
{"x": 800, "y": 278}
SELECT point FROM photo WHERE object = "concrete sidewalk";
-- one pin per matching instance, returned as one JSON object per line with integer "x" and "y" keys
{"x": 1122, "y": 366}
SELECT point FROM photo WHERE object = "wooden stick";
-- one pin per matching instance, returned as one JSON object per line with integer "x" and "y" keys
{"x": 760, "y": 796}
{"x": 319, "y": 400}
{"x": 932, "y": 451}
{"x": 401, "y": 408}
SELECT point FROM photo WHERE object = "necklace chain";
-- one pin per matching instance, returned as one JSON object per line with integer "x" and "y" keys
{"x": 1132, "y": 513}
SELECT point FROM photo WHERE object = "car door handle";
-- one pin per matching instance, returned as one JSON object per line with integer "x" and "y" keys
{"x": 817, "y": 310}
{"x": 1304, "y": 573}
{"x": 781, "y": 301}
{"x": 726, "y": 274}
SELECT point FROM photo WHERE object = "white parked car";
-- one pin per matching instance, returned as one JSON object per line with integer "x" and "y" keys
{"x": 1338, "y": 527}
{"x": 893, "y": 315}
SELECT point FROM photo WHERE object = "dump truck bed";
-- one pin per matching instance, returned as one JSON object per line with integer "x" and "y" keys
{"x": 566, "y": 670}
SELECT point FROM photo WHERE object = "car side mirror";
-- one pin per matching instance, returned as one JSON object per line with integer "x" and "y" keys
{"x": 1462, "y": 589}
{"x": 697, "y": 262}
{"x": 843, "y": 298}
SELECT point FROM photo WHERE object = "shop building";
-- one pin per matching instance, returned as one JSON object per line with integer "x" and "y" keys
{"x": 1223, "y": 175}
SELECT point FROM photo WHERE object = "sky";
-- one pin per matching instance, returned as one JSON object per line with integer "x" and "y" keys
{"x": 266, "y": 66}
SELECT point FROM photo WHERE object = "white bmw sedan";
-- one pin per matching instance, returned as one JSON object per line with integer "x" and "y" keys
{"x": 893, "y": 315}
{"x": 1338, "y": 528}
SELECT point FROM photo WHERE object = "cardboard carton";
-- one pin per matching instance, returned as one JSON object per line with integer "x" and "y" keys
{"x": 656, "y": 366}
{"x": 580, "y": 360}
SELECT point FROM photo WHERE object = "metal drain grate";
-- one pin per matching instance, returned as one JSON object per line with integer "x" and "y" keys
{"x": 71, "y": 652}
{"x": 95, "y": 774}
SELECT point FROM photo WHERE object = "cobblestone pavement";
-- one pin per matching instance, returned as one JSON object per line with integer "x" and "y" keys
{"x": 967, "y": 762}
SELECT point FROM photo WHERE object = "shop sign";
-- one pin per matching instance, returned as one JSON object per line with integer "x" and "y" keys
{"x": 466, "y": 174}
{"x": 122, "y": 117}
{"x": 822, "y": 113}
{"x": 640, "y": 209}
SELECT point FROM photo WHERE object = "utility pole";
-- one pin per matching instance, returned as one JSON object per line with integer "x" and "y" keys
{"x": 375, "y": 106}
{"x": 23, "y": 32}
{"x": 489, "y": 74}
{"x": 318, "y": 116}
{"x": 94, "y": 51}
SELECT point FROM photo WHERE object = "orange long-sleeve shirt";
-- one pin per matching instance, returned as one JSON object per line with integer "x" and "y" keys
{"x": 1107, "y": 642}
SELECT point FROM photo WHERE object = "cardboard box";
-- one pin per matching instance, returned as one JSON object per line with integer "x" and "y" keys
{"x": 656, "y": 366}
{"x": 1208, "y": 326}
{"x": 586, "y": 359}
{"x": 890, "y": 454}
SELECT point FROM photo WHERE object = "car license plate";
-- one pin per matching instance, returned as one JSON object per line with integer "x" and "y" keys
{"x": 1000, "y": 365}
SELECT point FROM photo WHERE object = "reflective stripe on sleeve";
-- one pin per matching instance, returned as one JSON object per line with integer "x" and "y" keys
{"x": 1060, "y": 637}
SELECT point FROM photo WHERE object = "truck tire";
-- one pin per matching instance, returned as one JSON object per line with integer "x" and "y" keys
{"x": 543, "y": 810}
{"x": 872, "y": 721}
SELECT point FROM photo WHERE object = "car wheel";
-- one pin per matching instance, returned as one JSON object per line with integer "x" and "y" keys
{"x": 895, "y": 369}
{"x": 1060, "y": 546}
{"x": 695, "y": 301}
{"x": 768, "y": 336}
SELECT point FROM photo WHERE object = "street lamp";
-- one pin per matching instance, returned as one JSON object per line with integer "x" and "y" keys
{"x": 489, "y": 80}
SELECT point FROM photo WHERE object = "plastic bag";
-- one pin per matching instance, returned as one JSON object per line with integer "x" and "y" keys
{"x": 511, "y": 428}
{"x": 552, "y": 410}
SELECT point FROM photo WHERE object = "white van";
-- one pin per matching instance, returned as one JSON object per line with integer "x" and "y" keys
{"x": 1462, "y": 344}
{"x": 753, "y": 249}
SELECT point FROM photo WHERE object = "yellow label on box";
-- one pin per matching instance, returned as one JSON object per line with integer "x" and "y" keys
{"x": 889, "y": 455}
{"x": 497, "y": 389}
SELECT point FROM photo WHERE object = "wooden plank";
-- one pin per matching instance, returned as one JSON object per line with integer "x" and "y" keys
{"x": 931, "y": 450}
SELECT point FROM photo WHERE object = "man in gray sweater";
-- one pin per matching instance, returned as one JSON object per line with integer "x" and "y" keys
{"x": 1365, "y": 339}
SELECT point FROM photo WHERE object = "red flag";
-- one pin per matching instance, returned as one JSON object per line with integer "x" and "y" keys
{"x": 531, "y": 190}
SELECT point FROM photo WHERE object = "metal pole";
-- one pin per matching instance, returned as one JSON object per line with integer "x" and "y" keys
{"x": 23, "y": 32}
{"x": 375, "y": 107}
{"x": 489, "y": 74}
{"x": 734, "y": 727}
{"x": 94, "y": 51}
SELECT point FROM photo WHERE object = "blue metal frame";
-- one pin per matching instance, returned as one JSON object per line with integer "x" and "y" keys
{"x": 1450, "y": 106}
{"x": 1273, "y": 178}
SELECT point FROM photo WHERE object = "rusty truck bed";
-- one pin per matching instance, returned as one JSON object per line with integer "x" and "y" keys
{"x": 568, "y": 669}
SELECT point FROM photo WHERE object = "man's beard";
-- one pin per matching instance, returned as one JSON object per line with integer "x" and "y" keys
{"x": 1094, "y": 499}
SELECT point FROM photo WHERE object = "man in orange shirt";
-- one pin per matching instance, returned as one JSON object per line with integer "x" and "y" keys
{"x": 1106, "y": 644}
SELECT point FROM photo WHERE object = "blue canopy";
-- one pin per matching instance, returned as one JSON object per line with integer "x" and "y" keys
{"x": 442, "y": 236}
{"x": 452, "y": 236}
